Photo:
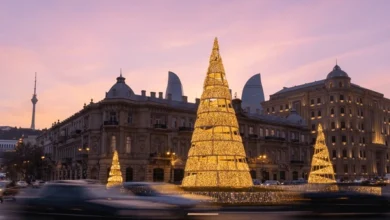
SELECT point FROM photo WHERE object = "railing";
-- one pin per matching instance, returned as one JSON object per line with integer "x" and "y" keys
{"x": 274, "y": 138}
{"x": 297, "y": 162}
{"x": 162, "y": 126}
{"x": 111, "y": 123}
{"x": 186, "y": 129}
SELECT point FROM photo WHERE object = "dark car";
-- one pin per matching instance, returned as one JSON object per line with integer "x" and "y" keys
{"x": 86, "y": 201}
{"x": 345, "y": 202}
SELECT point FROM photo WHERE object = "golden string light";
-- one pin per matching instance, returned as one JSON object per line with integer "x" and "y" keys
{"x": 115, "y": 177}
{"x": 321, "y": 166}
{"x": 217, "y": 157}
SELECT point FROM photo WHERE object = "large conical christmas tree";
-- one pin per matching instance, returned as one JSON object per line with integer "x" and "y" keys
{"x": 321, "y": 166}
{"x": 217, "y": 157}
{"x": 115, "y": 177}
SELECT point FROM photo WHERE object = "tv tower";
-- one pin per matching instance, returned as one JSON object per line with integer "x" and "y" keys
{"x": 34, "y": 101}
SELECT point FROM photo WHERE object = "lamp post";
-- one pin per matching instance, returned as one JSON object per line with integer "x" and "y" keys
{"x": 262, "y": 158}
{"x": 172, "y": 155}
{"x": 84, "y": 151}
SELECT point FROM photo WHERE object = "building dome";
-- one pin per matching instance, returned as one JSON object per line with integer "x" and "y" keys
{"x": 337, "y": 72}
{"x": 120, "y": 90}
{"x": 295, "y": 118}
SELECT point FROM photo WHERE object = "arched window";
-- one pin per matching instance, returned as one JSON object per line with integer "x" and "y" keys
{"x": 253, "y": 174}
{"x": 129, "y": 174}
{"x": 342, "y": 110}
{"x": 178, "y": 175}
{"x": 295, "y": 175}
{"x": 158, "y": 175}
{"x": 128, "y": 145}
{"x": 94, "y": 174}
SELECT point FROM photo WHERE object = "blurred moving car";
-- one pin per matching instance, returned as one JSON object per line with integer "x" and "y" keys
{"x": 271, "y": 183}
{"x": 345, "y": 202}
{"x": 38, "y": 183}
{"x": 169, "y": 194}
{"x": 86, "y": 201}
{"x": 21, "y": 183}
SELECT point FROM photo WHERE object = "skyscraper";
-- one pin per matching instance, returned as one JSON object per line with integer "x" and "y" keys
{"x": 34, "y": 101}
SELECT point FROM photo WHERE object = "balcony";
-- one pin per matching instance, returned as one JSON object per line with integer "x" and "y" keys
{"x": 274, "y": 138}
{"x": 160, "y": 126}
{"x": 186, "y": 129}
{"x": 297, "y": 162}
{"x": 111, "y": 123}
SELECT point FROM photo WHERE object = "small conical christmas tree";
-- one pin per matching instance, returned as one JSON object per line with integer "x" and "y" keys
{"x": 217, "y": 156}
{"x": 321, "y": 166}
{"x": 115, "y": 177}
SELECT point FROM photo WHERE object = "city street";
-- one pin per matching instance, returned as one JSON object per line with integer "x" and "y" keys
{"x": 6, "y": 213}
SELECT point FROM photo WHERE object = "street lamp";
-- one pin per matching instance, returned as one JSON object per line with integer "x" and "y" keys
{"x": 262, "y": 158}
{"x": 172, "y": 155}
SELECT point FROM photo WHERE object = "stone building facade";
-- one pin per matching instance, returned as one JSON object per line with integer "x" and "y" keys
{"x": 152, "y": 135}
{"x": 356, "y": 122}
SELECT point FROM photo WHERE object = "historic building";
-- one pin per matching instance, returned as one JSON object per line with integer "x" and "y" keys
{"x": 355, "y": 120}
{"x": 152, "y": 135}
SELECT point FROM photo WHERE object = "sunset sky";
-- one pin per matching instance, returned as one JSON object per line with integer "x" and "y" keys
{"x": 78, "y": 47}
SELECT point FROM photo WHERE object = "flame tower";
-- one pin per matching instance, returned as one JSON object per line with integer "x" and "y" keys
{"x": 321, "y": 166}
{"x": 34, "y": 101}
{"x": 217, "y": 157}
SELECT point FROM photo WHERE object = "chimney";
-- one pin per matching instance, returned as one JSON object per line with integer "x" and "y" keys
{"x": 169, "y": 96}
{"x": 153, "y": 94}
{"x": 160, "y": 95}
{"x": 184, "y": 99}
{"x": 197, "y": 101}
{"x": 143, "y": 93}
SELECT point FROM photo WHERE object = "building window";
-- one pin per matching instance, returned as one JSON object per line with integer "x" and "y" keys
{"x": 113, "y": 116}
{"x": 340, "y": 84}
{"x": 266, "y": 132}
{"x": 333, "y": 125}
{"x": 341, "y": 97}
{"x": 250, "y": 130}
{"x": 281, "y": 108}
{"x": 113, "y": 143}
{"x": 312, "y": 114}
{"x": 261, "y": 132}
{"x": 287, "y": 106}
{"x": 364, "y": 169}
{"x": 344, "y": 139}
{"x": 318, "y": 100}
{"x": 332, "y": 111}
{"x": 130, "y": 118}
{"x": 344, "y": 153}
{"x": 343, "y": 125}
{"x": 333, "y": 139}
{"x": 174, "y": 123}
{"x": 313, "y": 127}
{"x": 319, "y": 113}
{"x": 128, "y": 145}
{"x": 342, "y": 110}
{"x": 312, "y": 101}
{"x": 353, "y": 154}
{"x": 345, "y": 168}
{"x": 331, "y": 98}
{"x": 334, "y": 153}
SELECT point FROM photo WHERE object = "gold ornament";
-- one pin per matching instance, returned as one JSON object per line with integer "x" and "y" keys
{"x": 321, "y": 166}
{"x": 217, "y": 157}
{"x": 115, "y": 177}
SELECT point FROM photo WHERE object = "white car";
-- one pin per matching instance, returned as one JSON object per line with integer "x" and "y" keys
{"x": 38, "y": 183}
{"x": 22, "y": 183}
